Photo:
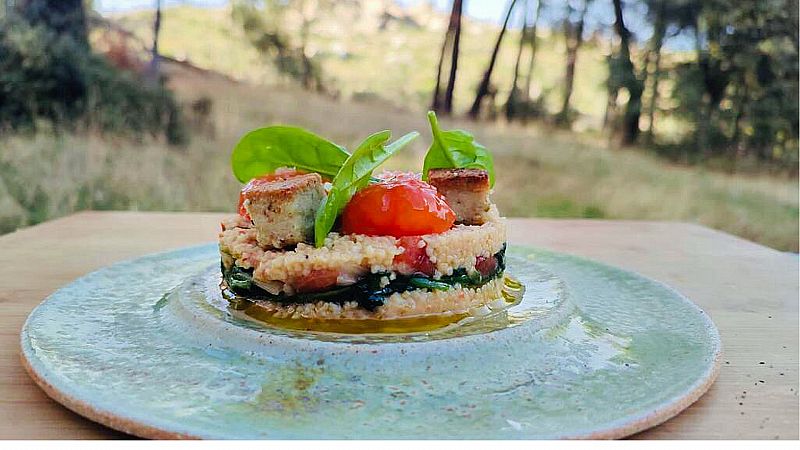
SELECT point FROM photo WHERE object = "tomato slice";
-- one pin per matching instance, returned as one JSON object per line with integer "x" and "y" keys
{"x": 317, "y": 280}
{"x": 486, "y": 265}
{"x": 400, "y": 204}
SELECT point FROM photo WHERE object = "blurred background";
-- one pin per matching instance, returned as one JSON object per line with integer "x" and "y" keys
{"x": 620, "y": 109}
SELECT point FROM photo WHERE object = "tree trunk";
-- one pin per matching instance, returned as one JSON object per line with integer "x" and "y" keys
{"x": 701, "y": 116}
{"x": 610, "y": 113}
{"x": 630, "y": 119}
{"x": 612, "y": 90}
{"x": 306, "y": 77}
{"x": 526, "y": 92}
{"x": 451, "y": 38}
{"x": 573, "y": 35}
{"x": 659, "y": 31}
{"x": 436, "y": 102}
{"x": 651, "y": 109}
{"x": 154, "y": 60}
{"x": 64, "y": 17}
{"x": 742, "y": 92}
{"x": 511, "y": 102}
{"x": 483, "y": 87}
{"x": 451, "y": 81}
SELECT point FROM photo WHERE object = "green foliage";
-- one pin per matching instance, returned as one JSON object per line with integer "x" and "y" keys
{"x": 264, "y": 28}
{"x": 526, "y": 109}
{"x": 354, "y": 175}
{"x": 455, "y": 149}
{"x": 53, "y": 78}
{"x": 118, "y": 102}
{"x": 741, "y": 92}
{"x": 39, "y": 75}
{"x": 64, "y": 17}
{"x": 621, "y": 74}
{"x": 263, "y": 150}
{"x": 688, "y": 88}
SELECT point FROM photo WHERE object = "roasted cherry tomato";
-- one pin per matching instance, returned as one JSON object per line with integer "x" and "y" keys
{"x": 400, "y": 204}
{"x": 280, "y": 174}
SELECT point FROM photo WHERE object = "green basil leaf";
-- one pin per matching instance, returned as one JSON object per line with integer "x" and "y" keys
{"x": 455, "y": 149}
{"x": 355, "y": 174}
{"x": 263, "y": 150}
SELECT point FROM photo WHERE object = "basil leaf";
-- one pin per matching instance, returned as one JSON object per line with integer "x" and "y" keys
{"x": 263, "y": 150}
{"x": 455, "y": 149}
{"x": 354, "y": 175}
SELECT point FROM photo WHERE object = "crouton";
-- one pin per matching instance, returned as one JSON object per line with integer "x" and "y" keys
{"x": 283, "y": 211}
{"x": 466, "y": 191}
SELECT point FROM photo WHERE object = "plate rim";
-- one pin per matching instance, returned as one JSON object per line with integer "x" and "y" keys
{"x": 623, "y": 427}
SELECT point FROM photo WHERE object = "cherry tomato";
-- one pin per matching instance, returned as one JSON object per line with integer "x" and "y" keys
{"x": 399, "y": 205}
{"x": 414, "y": 258}
{"x": 280, "y": 174}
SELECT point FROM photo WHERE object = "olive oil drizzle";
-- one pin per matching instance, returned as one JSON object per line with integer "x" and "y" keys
{"x": 426, "y": 324}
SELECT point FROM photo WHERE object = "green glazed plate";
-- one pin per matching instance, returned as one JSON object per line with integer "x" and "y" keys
{"x": 150, "y": 348}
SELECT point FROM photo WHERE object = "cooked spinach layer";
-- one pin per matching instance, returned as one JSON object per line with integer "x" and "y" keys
{"x": 367, "y": 291}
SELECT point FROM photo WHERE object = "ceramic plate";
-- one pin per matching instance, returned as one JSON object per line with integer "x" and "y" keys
{"x": 149, "y": 347}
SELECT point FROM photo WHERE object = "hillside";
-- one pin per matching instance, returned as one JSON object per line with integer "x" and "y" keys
{"x": 540, "y": 173}
{"x": 394, "y": 63}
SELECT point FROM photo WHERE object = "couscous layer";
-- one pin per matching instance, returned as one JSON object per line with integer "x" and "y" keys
{"x": 352, "y": 256}
{"x": 368, "y": 277}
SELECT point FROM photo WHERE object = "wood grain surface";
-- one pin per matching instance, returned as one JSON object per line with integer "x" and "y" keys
{"x": 750, "y": 291}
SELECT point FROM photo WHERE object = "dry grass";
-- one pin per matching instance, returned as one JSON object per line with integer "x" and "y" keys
{"x": 540, "y": 173}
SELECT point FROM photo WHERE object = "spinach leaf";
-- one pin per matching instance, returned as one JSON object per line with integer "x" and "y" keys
{"x": 263, "y": 150}
{"x": 355, "y": 174}
{"x": 238, "y": 278}
{"x": 427, "y": 283}
{"x": 455, "y": 149}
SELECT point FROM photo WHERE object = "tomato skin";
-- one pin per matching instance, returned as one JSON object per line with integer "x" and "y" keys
{"x": 398, "y": 205}
{"x": 414, "y": 258}
{"x": 486, "y": 265}
{"x": 280, "y": 174}
{"x": 317, "y": 280}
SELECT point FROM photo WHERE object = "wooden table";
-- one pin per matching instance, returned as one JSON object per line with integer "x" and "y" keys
{"x": 750, "y": 291}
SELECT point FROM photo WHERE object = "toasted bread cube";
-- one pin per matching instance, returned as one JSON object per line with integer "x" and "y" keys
{"x": 466, "y": 191}
{"x": 283, "y": 211}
